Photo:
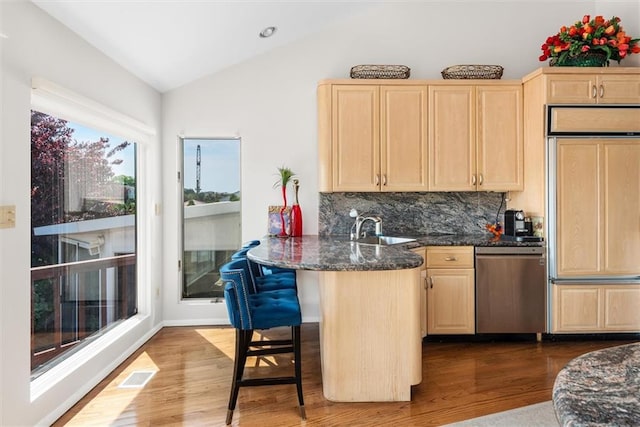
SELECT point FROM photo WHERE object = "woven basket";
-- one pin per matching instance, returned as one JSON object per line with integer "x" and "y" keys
{"x": 380, "y": 72}
{"x": 472, "y": 72}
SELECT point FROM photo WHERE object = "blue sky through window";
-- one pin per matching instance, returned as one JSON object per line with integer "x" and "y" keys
{"x": 127, "y": 167}
{"x": 219, "y": 164}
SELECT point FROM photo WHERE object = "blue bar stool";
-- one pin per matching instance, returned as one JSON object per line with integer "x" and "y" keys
{"x": 260, "y": 283}
{"x": 249, "y": 311}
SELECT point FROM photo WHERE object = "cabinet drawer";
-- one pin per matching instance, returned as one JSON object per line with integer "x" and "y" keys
{"x": 450, "y": 257}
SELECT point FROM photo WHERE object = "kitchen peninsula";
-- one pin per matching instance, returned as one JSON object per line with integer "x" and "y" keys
{"x": 370, "y": 341}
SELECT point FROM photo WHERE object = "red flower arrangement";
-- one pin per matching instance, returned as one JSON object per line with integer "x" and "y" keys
{"x": 590, "y": 35}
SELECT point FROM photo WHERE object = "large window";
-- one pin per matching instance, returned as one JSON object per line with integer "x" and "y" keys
{"x": 211, "y": 213}
{"x": 83, "y": 242}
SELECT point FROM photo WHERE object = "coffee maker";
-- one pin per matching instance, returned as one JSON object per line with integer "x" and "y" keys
{"x": 514, "y": 225}
{"x": 518, "y": 228}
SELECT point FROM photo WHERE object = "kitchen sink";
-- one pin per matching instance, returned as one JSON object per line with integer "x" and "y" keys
{"x": 384, "y": 240}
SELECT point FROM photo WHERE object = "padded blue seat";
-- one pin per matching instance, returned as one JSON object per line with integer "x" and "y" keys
{"x": 249, "y": 310}
{"x": 261, "y": 281}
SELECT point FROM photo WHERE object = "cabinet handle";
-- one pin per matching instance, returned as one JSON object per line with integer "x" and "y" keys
{"x": 481, "y": 178}
{"x": 377, "y": 179}
{"x": 431, "y": 282}
{"x": 594, "y": 92}
{"x": 451, "y": 258}
{"x": 473, "y": 179}
{"x": 384, "y": 179}
{"x": 601, "y": 91}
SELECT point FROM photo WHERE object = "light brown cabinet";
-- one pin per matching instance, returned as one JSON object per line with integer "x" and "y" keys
{"x": 593, "y": 89}
{"x": 372, "y": 137}
{"x": 451, "y": 290}
{"x": 598, "y": 183}
{"x": 584, "y": 308}
{"x": 423, "y": 291}
{"x": 475, "y": 137}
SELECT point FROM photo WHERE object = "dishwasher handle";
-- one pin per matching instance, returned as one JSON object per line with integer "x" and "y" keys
{"x": 510, "y": 250}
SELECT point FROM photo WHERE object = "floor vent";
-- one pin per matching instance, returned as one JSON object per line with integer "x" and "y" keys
{"x": 137, "y": 379}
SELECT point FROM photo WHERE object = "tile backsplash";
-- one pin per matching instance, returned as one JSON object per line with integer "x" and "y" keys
{"x": 411, "y": 213}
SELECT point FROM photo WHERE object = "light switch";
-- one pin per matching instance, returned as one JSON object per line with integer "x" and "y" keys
{"x": 7, "y": 216}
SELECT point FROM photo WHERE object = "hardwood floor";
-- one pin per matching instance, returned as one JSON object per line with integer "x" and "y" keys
{"x": 461, "y": 380}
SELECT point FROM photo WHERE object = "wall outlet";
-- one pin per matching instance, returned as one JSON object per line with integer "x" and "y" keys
{"x": 7, "y": 216}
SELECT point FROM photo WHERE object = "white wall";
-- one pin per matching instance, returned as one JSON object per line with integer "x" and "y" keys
{"x": 37, "y": 45}
{"x": 270, "y": 101}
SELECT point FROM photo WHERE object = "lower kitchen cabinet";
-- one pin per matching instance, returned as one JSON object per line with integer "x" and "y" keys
{"x": 583, "y": 308}
{"x": 423, "y": 291}
{"x": 451, "y": 290}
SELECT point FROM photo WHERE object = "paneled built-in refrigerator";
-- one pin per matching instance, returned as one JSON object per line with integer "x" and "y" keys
{"x": 593, "y": 206}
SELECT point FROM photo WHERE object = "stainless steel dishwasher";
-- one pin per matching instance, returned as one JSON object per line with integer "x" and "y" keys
{"x": 511, "y": 288}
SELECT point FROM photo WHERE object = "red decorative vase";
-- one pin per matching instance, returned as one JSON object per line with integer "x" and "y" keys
{"x": 296, "y": 214}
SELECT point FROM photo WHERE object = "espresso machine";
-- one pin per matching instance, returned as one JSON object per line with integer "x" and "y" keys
{"x": 517, "y": 227}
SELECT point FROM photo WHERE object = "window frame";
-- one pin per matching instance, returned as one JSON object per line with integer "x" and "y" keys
{"x": 180, "y": 146}
{"x": 50, "y": 98}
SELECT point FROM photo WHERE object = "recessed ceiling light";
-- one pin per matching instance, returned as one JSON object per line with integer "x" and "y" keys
{"x": 268, "y": 32}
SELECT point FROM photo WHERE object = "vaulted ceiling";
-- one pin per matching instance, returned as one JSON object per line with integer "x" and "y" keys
{"x": 168, "y": 43}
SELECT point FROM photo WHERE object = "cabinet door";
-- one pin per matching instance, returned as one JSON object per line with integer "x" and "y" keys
{"x": 571, "y": 89}
{"x": 355, "y": 138}
{"x": 621, "y": 206}
{"x": 618, "y": 89}
{"x": 450, "y": 301}
{"x": 578, "y": 208}
{"x": 452, "y": 138}
{"x": 621, "y": 308}
{"x": 403, "y": 134}
{"x": 500, "y": 162}
{"x": 576, "y": 308}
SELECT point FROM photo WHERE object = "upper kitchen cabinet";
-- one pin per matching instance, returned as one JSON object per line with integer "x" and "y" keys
{"x": 475, "y": 136}
{"x": 372, "y": 137}
{"x": 592, "y": 89}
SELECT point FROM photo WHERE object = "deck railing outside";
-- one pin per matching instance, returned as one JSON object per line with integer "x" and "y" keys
{"x": 75, "y": 300}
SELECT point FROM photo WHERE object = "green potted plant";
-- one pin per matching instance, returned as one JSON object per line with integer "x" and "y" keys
{"x": 285, "y": 176}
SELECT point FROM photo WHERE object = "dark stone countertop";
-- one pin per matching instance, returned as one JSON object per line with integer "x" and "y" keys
{"x": 468, "y": 240}
{"x": 331, "y": 254}
{"x": 600, "y": 388}
{"x": 337, "y": 253}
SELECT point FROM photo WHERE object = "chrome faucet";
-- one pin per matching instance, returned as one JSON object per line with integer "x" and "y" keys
{"x": 360, "y": 220}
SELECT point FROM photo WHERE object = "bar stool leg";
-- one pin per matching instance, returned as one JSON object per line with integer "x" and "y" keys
{"x": 298, "y": 368}
{"x": 243, "y": 339}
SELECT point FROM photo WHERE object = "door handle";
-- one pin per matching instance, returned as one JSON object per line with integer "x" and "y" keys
{"x": 377, "y": 179}
{"x": 451, "y": 258}
{"x": 431, "y": 282}
{"x": 384, "y": 179}
{"x": 473, "y": 179}
{"x": 601, "y": 91}
{"x": 481, "y": 179}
